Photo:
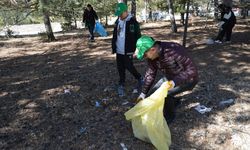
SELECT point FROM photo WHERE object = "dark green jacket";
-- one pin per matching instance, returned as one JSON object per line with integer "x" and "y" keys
{"x": 132, "y": 34}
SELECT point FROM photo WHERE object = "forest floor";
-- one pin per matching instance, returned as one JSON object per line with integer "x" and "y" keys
{"x": 49, "y": 92}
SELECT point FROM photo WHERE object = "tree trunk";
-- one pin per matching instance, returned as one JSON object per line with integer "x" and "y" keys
{"x": 186, "y": 24}
{"x": 74, "y": 18}
{"x": 133, "y": 8}
{"x": 146, "y": 4}
{"x": 48, "y": 26}
{"x": 47, "y": 23}
{"x": 208, "y": 3}
{"x": 124, "y": 1}
{"x": 244, "y": 13}
{"x": 150, "y": 15}
{"x": 106, "y": 23}
{"x": 216, "y": 11}
{"x": 171, "y": 14}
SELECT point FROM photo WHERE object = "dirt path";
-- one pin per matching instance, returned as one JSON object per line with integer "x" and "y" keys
{"x": 49, "y": 91}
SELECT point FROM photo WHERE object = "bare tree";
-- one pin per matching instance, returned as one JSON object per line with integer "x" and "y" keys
{"x": 133, "y": 7}
{"x": 46, "y": 20}
{"x": 124, "y": 1}
{"x": 186, "y": 24}
{"x": 216, "y": 14}
{"x": 172, "y": 18}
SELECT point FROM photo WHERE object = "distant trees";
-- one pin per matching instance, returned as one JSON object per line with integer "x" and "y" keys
{"x": 67, "y": 12}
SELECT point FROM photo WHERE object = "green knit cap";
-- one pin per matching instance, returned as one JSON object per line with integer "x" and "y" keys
{"x": 143, "y": 44}
{"x": 120, "y": 8}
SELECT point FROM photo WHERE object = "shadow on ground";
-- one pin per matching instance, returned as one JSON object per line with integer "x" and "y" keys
{"x": 48, "y": 97}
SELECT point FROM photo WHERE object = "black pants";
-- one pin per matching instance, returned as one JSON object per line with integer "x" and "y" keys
{"x": 169, "y": 106}
{"x": 182, "y": 18}
{"x": 91, "y": 30}
{"x": 126, "y": 62}
{"x": 226, "y": 30}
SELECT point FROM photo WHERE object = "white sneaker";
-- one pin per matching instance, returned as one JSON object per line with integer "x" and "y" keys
{"x": 218, "y": 41}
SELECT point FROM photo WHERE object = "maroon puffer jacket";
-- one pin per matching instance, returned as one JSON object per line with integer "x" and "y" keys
{"x": 174, "y": 63}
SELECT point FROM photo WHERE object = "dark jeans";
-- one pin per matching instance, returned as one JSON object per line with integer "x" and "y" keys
{"x": 169, "y": 106}
{"x": 91, "y": 30}
{"x": 126, "y": 62}
{"x": 227, "y": 30}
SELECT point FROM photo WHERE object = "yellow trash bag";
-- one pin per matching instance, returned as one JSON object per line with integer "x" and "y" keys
{"x": 148, "y": 122}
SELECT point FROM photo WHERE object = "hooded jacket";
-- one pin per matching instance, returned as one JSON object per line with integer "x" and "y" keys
{"x": 132, "y": 34}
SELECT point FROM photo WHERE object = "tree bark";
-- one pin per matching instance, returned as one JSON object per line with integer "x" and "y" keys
{"x": 146, "y": 7}
{"x": 208, "y": 3}
{"x": 216, "y": 11}
{"x": 47, "y": 23}
{"x": 186, "y": 24}
{"x": 106, "y": 22}
{"x": 133, "y": 8}
{"x": 124, "y": 1}
{"x": 171, "y": 14}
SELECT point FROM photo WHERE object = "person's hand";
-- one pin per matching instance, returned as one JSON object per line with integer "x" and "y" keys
{"x": 134, "y": 56}
{"x": 220, "y": 24}
{"x": 135, "y": 53}
{"x": 140, "y": 97}
{"x": 170, "y": 84}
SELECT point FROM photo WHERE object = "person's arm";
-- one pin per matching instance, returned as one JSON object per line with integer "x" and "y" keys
{"x": 149, "y": 77}
{"x": 95, "y": 15}
{"x": 137, "y": 30}
{"x": 225, "y": 20}
{"x": 84, "y": 16}
{"x": 114, "y": 38}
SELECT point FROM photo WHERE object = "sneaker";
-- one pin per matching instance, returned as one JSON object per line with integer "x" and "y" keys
{"x": 218, "y": 41}
{"x": 138, "y": 87}
{"x": 121, "y": 90}
{"x": 228, "y": 42}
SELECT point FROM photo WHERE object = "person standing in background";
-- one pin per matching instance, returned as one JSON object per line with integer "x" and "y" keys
{"x": 228, "y": 21}
{"x": 125, "y": 34}
{"x": 89, "y": 17}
